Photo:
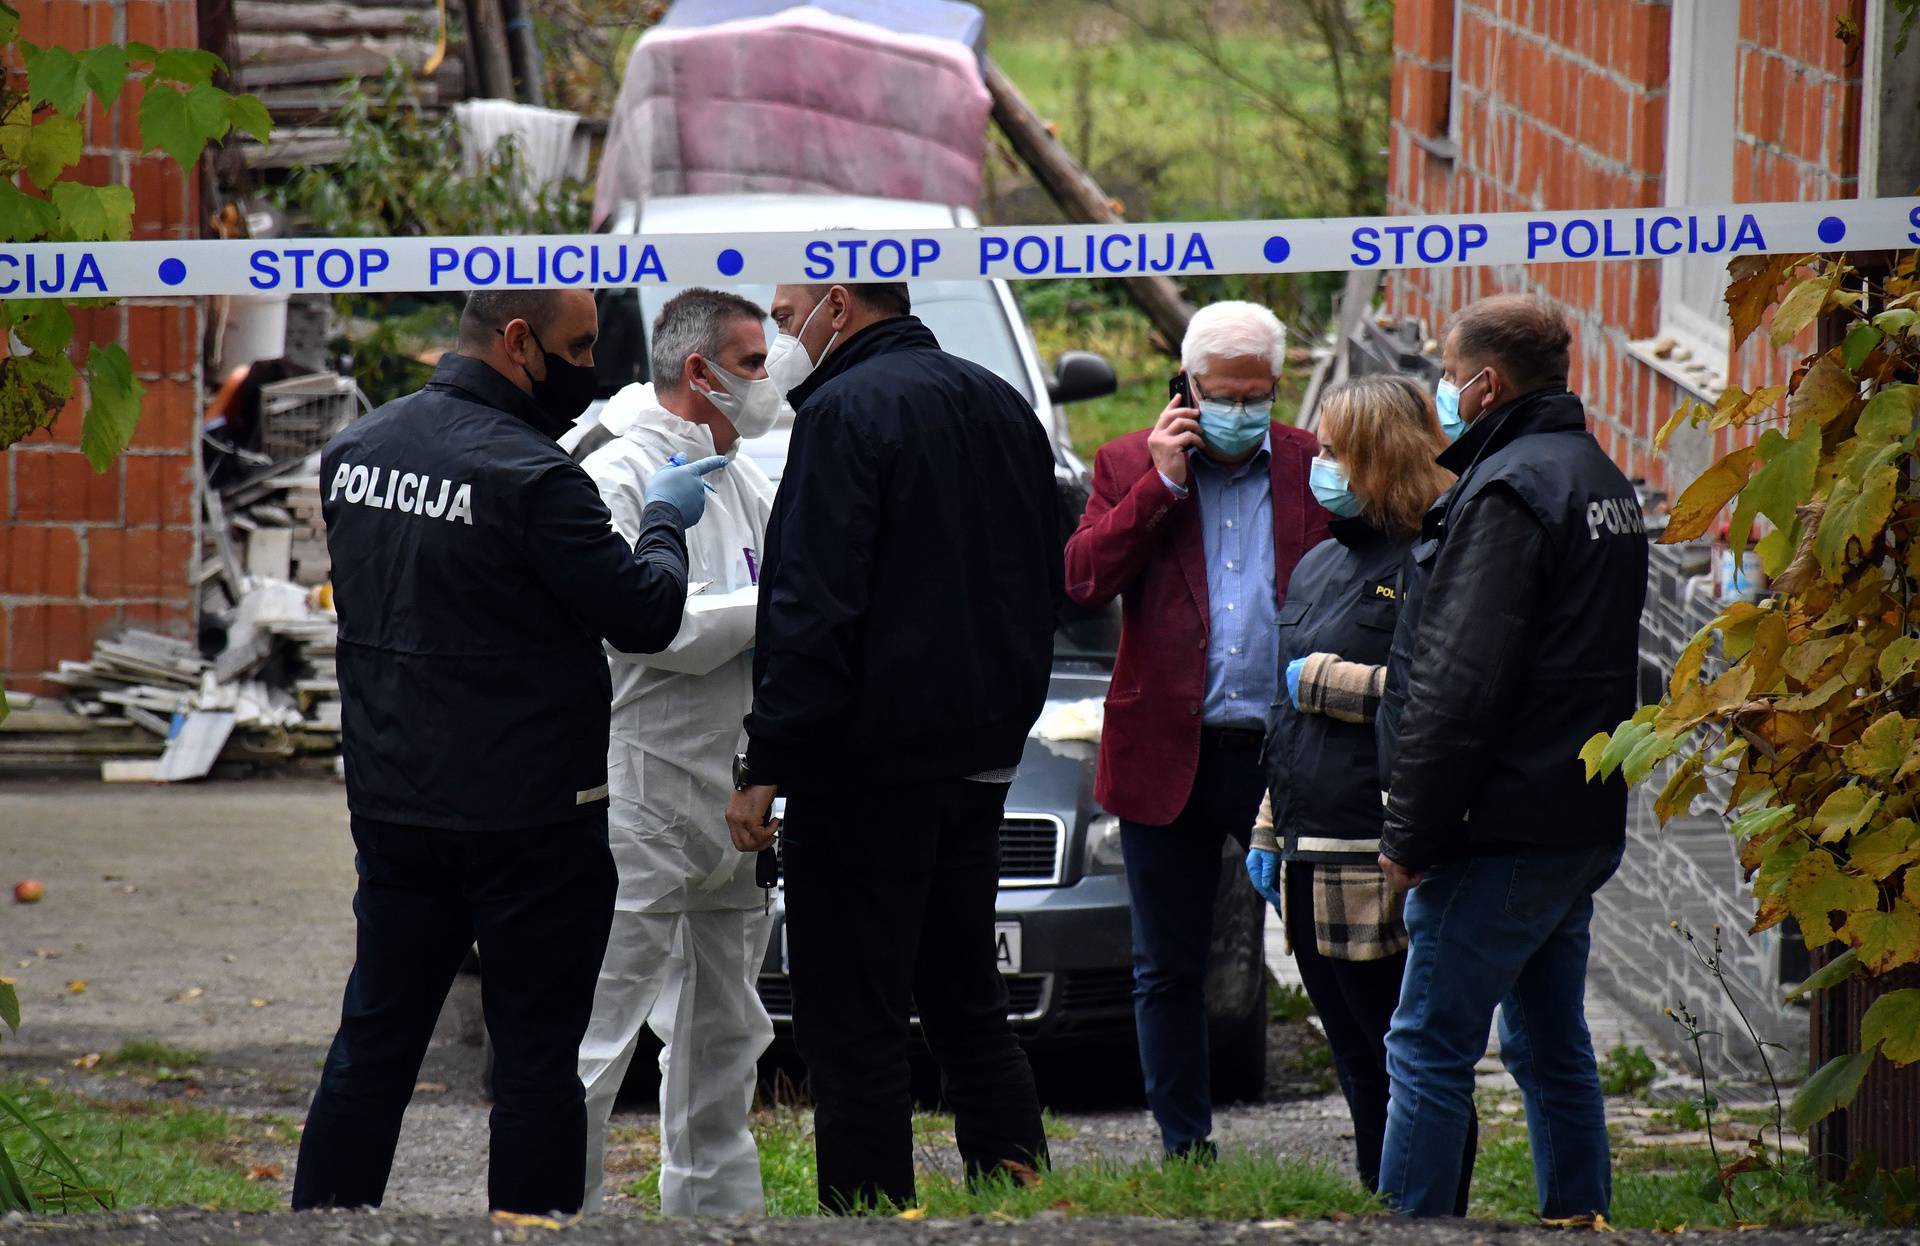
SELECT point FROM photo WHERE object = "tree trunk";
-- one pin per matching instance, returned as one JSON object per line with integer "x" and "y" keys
{"x": 1079, "y": 197}
{"x": 490, "y": 42}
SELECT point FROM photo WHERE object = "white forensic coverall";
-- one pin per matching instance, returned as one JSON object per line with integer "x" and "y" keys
{"x": 689, "y": 926}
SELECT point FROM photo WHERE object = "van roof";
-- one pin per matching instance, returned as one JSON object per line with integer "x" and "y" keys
{"x": 709, "y": 214}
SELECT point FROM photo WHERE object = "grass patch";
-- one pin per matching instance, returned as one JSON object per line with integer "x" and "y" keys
{"x": 155, "y": 1059}
{"x": 1241, "y": 1186}
{"x": 161, "y": 1154}
{"x": 1627, "y": 1070}
{"x": 1653, "y": 1188}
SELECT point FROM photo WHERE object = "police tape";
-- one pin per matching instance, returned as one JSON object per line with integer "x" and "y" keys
{"x": 1018, "y": 252}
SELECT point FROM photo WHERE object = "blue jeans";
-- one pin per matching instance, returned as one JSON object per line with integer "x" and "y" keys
{"x": 1507, "y": 932}
{"x": 1173, "y": 877}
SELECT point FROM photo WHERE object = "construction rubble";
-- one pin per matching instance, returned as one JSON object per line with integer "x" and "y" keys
{"x": 153, "y": 708}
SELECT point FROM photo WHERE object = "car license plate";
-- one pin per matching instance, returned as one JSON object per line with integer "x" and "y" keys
{"x": 1006, "y": 946}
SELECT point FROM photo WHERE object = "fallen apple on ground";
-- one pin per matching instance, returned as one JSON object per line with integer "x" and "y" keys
{"x": 29, "y": 892}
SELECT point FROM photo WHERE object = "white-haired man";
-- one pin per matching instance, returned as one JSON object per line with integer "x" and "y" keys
{"x": 1195, "y": 524}
{"x": 690, "y": 926}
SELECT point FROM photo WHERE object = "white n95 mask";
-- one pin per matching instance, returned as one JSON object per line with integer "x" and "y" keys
{"x": 751, "y": 406}
{"x": 787, "y": 360}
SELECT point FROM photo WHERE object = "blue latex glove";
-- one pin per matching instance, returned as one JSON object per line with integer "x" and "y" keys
{"x": 1293, "y": 680}
{"x": 1263, "y": 869}
{"x": 680, "y": 487}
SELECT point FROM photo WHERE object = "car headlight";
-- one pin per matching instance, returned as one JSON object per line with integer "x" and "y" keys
{"x": 1103, "y": 846}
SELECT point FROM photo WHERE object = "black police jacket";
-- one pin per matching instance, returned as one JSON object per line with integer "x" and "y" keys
{"x": 913, "y": 566}
{"x": 1324, "y": 774}
{"x": 475, "y": 572}
{"x": 1518, "y": 641}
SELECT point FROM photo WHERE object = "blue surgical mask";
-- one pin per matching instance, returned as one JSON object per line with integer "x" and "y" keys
{"x": 1234, "y": 428}
{"x": 1446, "y": 401}
{"x": 1328, "y": 480}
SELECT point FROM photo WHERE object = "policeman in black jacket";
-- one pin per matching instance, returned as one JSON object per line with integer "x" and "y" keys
{"x": 902, "y": 652}
{"x": 476, "y": 572}
{"x": 1519, "y": 641}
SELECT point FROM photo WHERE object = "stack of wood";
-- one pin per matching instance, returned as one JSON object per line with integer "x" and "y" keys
{"x": 297, "y": 54}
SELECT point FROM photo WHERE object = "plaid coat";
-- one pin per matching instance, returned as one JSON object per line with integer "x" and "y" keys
{"x": 1356, "y": 912}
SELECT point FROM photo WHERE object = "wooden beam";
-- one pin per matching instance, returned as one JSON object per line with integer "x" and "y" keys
{"x": 1079, "y": 196}
{"x": 489, "y": 28}
{"x": 268, "y": 17}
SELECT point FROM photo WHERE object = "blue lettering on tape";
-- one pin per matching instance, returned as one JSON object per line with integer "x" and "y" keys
{"x": 1637, "y": 238}
{"x": 513, "y": 264}
{"x": 1111, "y": 254}
{"x": 33, "y": 275}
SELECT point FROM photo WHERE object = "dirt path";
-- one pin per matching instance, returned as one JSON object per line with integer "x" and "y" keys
{"x": 384, "y": 1229}
{"x": 216, "y": 917}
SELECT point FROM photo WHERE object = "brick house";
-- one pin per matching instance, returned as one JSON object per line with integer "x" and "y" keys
{"x": 83, "y": 554}
{"x": 1512, "y": 105}
{"x": 1541, "y": 105}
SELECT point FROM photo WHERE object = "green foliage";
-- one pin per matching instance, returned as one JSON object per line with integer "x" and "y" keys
{"x": 398, "y": 178}
{"x": 1815, "y": 714}
{"x": 1832, "y": 1087}
{"x": 145, "y": 1154}
{"x": 181, "y": 112}
{"x": 1287, "y": 1003}
{"x": 1627, "y": 1070}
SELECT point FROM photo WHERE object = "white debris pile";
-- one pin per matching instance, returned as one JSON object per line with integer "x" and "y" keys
{"x": 150, "y": 707}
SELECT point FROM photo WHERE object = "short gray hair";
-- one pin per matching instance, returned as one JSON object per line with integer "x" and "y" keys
{"x": 1233, "y": 330}
{"x": 694, "y": 322}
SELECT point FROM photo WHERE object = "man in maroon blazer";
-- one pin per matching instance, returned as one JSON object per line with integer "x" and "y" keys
{"x": 1196, "y": 524}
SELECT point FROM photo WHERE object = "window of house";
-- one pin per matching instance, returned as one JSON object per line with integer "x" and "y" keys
{"x": 1700, "y": 143}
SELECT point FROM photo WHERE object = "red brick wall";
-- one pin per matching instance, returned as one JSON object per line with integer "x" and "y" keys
{"x": 1563, "y": 105}
{"x": 82, "y": 555}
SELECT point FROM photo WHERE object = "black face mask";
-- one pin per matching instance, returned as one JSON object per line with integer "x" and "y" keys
{"x": 564, "y": 392}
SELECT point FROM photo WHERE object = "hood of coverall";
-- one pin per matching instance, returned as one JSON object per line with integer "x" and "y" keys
{"x": 677, "y": 714}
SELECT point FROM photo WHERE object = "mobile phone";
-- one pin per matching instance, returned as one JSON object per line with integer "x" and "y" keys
{"x": 1177, "y": 387}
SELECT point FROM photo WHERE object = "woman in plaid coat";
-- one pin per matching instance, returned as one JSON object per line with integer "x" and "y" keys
{"x": 1318, "y": 835}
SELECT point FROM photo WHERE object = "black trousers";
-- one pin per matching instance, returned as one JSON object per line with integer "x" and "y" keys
{"x": 1354, "y": 1000}
{"x": 539, "y": 903}
{"x": 890, "y": 905}
{"x": 1173, "y": 880}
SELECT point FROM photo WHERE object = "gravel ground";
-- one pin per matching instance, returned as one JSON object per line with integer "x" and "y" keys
{"x": 216, "y": 917}
{"x": 383, "y": 1229}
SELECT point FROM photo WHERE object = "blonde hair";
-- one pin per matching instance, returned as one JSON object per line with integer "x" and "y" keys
{"x": 1385, "y": 433}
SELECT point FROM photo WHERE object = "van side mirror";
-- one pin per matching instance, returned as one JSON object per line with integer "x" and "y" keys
{"x": 1080, "y": 375}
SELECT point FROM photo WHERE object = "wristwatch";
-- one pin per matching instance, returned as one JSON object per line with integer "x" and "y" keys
{"x": 742, "y": 778}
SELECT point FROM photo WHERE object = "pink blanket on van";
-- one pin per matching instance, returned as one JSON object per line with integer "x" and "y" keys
{"x": 804, "y": 102}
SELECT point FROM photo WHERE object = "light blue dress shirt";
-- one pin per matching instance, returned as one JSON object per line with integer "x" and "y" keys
{"x": 1243, "y": 640}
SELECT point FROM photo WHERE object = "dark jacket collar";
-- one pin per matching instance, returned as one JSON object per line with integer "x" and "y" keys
{"x": 1357, "y": 534}
{"x": 883, "y": 337}
{"x": 1550, "y": 410}
{"x": 477, "y": 379}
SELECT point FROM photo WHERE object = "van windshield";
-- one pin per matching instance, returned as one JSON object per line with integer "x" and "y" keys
{"x": 965, "y": 315}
